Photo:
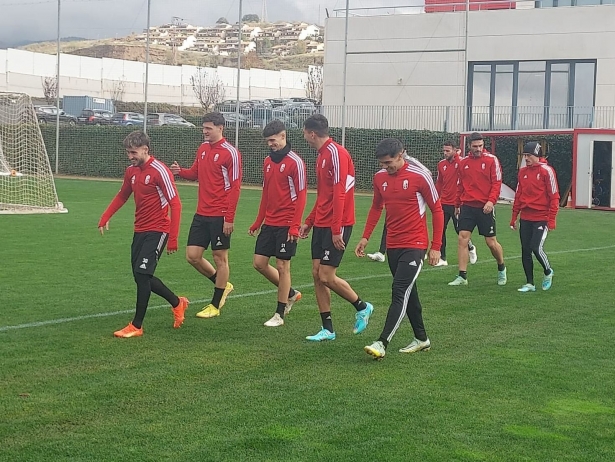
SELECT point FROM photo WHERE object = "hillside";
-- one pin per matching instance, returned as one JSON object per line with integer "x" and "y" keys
{"x": 135, "y": 51}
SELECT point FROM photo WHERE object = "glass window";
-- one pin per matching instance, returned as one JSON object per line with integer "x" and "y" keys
{"x": 583, "y": 94}
{"x": 504, "y": 68}
{"x": 512, "y": 95}
{"x": 558, "y": 100}
{"x": 560, "y": 67}
{"x": 532, "y": 66}
{"x": 481, "y": 100}
{"x": 530, "y": 100}
{"x": 482, "y": 68}
{"x": 502, "y": 112}
{"x": 481, "y": 90}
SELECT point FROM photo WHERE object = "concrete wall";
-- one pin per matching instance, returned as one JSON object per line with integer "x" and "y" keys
{"x": 418, "y": 59}
{"x": 24, "y": 71}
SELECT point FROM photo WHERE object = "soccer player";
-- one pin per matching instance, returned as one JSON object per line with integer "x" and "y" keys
{"x": 217, "y": 168}
{"x": 403, "y": 189}
{"x": 281, "y": 208}
{"x": 154, "y": 193}
{"x": 537, "y": 199}
{"x": 478, "y": 189}
{"x": 332, "y": 218}
{"x": 446, "y": 185}
{"x": 380, "y": 255}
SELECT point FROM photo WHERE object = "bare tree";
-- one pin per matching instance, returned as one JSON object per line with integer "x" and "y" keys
{"x": 50, "y": 89}
{"x": 207, "y": 88}
{"x": 314, "y": 84}
{"x": 118, "y": 89}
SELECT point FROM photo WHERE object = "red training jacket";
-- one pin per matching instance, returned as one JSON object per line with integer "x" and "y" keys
{"x": 406, "y": 195}
{"x": 154, "y": 191}
{"x": 284, "y": 193}
{"x": 335, "y": 178}
{"x": 217, "y": 167}
{"x": 537, "y": 195}
{"x": 446, "y": 184}
{"x": 480, "y": 180}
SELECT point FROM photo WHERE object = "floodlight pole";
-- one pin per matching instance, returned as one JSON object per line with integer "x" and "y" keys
{"x": 149, "y": 8}
{"x": 58, "y": 91}
{"x": 344, "y": 76}
{"x": 238, "y": 74}
{"x": 466, "y": 72}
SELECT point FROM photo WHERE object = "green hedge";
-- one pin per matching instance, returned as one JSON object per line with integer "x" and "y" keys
{"x": 97, "y": 151}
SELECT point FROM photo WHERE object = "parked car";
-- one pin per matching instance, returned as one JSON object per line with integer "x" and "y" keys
{"x": 127, "y": 118}
{"x": 297, "y": 108}
{"x": 48, "y": 114}
{"x": 230, "y": 119}
{"x": 278, "y": 102}
{"x": 262, "y": 116}
{"x": 230, "y": 105}
{"x": 164, "y": 118}
{"x": 95, "y": 117}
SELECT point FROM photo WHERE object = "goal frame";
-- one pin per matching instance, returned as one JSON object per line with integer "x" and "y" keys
{"x": 26, "y": 116}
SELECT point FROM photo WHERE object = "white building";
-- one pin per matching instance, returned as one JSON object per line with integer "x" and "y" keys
{"x": 532, "y": 66}
{"x": 24, "y": 71}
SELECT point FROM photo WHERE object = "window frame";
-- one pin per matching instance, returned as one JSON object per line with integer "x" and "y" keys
{"x": 515, "y": 90}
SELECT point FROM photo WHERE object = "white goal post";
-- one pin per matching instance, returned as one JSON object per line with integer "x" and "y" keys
{"x": 26, "y": 179}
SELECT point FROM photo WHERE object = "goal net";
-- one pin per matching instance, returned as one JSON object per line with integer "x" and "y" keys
{"x": 26, "y": 180}
{"x": 508, "y": 147}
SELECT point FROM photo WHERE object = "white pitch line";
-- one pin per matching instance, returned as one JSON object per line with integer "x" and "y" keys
{"x": 263, "y": 292}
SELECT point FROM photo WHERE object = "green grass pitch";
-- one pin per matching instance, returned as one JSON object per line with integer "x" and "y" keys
{"x": 510, "y": 377}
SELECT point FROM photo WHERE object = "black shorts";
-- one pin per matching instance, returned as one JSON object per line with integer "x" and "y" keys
{"x": 472, "y": 217}
{"x": 145, "y": 251}
{"x": 208, "y": 230}
{"x": 323, "y": 248}
{"x": 273, "y": 241}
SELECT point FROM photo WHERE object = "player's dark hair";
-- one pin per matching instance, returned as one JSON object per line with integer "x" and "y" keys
{"x": 136, "y": 139}
{"x": 475, "y": 137}
{"x": 318, "y": 124}
{"x": 389, "y": 147}
{"x": 450, "y": 143}
{"x": 273, "y": 128}
{"x": 215, "y": 118}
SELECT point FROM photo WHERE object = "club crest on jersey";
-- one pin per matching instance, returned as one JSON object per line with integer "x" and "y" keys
{"x": 538, "y": 176}
{"x": 467, "y": 167}
{"x": 456, "y": 165}
{"x": 405, "y": 184}
{"x": 268, "y": 168}
{"x": 147, "y": 178}
{"x": 384, "y": 186}
{"x": 132, "y": 180}
{"x": 444, "y": 168}
{"x": 483, "y": 166}
{"x": 216, "y": 157}
{"x": 282, "y": 167}
{"x": 324, "y": 161}
{"x": 525, "y": 177}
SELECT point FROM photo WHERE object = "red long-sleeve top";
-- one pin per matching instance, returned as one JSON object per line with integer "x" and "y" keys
{"x": 537, "y": 195}
{"x": 480, "y": 180}
{"x": 335, "y": 178}
{"x": 446, "y": 184}
{"x": 154, "y": 192}
{"x": 217, "y": 167}
{"x": 284, "y": 193}
{"x": 406, "y": 195}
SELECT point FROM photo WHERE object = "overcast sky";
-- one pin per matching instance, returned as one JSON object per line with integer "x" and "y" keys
{"x": 22, "y": 20}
